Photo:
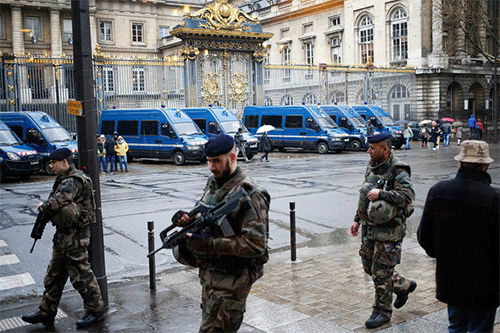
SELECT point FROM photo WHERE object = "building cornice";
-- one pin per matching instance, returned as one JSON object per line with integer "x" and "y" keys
{"x": 304, "y": 12}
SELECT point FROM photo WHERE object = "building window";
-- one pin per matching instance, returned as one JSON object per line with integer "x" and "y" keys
{"x": 310, "y": 99}
{"x": 67, "y": 29}
{"x": 33, "y": 24}
{"x": 286, "y": 58}
{"x": 137, "y": 33}
{"x": 108, "y": 79}
{"x": 286, "y": 100}
{"x": 309, "y": 53}
{"x": 307, "y": 28}
{"x": 338, "y": 97}
{"x": 400, "y": 92}
{"x": 106, "y": 31}
{"x": 366, "y": 39}
{"x": 267, "y": 71}
{"x": 164, "y": 31}
{"x": 334, "y": 21}
{"x": 268, "y": 101}
{"x": 138, "y": 79}
{"x": 1, "y": 29}
{"x": 399, "y": 27}
{"x": 336, "y": 50}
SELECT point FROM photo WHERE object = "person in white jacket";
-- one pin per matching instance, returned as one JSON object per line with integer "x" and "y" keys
{"x": 407, "y": 134}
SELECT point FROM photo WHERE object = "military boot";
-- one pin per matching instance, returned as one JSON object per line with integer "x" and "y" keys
{"x": 39, "y": 318}
{"x": 90, "y": 318}
{"x": 402, "y": 296}
{"x": 377, "y": 319}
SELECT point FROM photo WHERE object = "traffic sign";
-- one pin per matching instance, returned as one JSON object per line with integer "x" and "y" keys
{"x": 75, "y": 108}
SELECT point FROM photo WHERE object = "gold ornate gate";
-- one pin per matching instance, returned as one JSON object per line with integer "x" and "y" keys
{"x": 222, "y": 48}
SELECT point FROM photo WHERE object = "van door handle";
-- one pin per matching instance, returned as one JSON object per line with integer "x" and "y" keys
{"x": 159, "y": 141}
{"x": 302, "y": 133}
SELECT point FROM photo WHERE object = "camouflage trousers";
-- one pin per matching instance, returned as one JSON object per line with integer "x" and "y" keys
{"x": 379, "y": 260}
{"x": 223, "y": 300}
{"x": 75, "y": 265}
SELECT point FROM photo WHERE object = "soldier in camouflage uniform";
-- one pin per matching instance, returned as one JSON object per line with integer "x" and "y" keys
{"x": 71, "y": 209}
{"x": 228, "y": 265}
{"x": 385, "y": 201}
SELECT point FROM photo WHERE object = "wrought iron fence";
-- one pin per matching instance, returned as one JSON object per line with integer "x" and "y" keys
{"x": 46, "y": 84}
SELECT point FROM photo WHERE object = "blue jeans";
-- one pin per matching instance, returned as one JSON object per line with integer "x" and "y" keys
{"x": 470, "y": 320}
{"x": 110, "y": 160}
{"x": 123, "y": 160}
{"x": 447, "y": 139}
{"x": 101, "y": 163}
{"x": 408, "y": 143}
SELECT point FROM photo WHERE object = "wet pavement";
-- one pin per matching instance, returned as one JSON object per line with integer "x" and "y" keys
{"x": 324, "y": 290}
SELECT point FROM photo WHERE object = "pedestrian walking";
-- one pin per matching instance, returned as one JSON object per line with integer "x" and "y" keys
{"x": 266, "y": 146}
{"x": 385, "y": 202}
{"x": 115, "y": 140}
{"x": 101, "y": 154}
{"x": 240, "y": 144}
{"x": 459, "y": 132}
{"x": 109, "y": 147}
{"x": 479, "y": 129}
{"x": 435, "y": 135}
{"x": 370, "y": 130}
{"x": 71, "y": 209}
{"x": 407, "y": 134}
{"x": 228, "y": 266}
{"x": 424, "y": 135}
{"x": 472, "y": 126}
{"x": 460, "y": 228}
{"x": 121, "y": 149}
{"x": 446, "y": 133}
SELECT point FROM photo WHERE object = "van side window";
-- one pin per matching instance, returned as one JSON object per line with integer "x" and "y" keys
{"x": 128, "y": 127}
{"x": 34, "y": 136}
{"x": 167, "y": 130}
{"x": 343, "y": 122}
{"x": 375, "y": 122}
{"x": 276, "y": 121}
{"x": 252, "y": 121}
{"x": 202, "y": 124}
{"x": 334, "y": 117}
{"x": 149, "y": 127}
{"x": 108, "y": 127}
{"x": 312, "y": 124}
{"x": 293, "y": 122}
{"x": 213, "y": 128}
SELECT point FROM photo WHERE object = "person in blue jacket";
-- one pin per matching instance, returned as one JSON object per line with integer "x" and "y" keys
{"x": 472, "y": 126}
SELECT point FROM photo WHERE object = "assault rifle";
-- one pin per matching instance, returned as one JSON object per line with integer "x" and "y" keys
{"x": 209, "y": 218}
{"x": 37, "y": 232}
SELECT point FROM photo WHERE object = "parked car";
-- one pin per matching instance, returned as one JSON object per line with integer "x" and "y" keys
{"x": 415, "y": 127}
{"x": 16, "y": 159}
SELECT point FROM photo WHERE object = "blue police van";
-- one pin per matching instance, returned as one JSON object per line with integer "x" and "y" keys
{"x": 351, "y": 122}
{"x": 297, "y": 127}
{"x": 382, "y": 122}
{"x": 16, "y": 158}
{"x": 156, "y": 133}
{"x": 217, "y": 120}
{"x": 42, "y": 133}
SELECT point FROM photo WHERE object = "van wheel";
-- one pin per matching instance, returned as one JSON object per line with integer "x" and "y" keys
{"x": 179, "y": 158}
{"x": 355, "y": 145}
{"x": 322, "y": 148}
{"x": 47, "y": 168}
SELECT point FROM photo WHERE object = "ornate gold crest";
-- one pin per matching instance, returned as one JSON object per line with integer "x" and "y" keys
{"x": 238, "y": 88}
{"x": 211, "y": 88}
{"x": 259, "y": 54}
{"x": 189, "y": 51}
{"x": 223, "y": 15}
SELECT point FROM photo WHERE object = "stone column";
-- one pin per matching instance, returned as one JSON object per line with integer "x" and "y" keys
{"x": 436, "y": 57}
{"x": 17, "y": 34}
{"x": 55, "y": 33}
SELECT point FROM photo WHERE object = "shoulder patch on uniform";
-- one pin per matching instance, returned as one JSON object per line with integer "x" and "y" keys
{"x": 403, "y": 178}
{"x": 69, "y": 185}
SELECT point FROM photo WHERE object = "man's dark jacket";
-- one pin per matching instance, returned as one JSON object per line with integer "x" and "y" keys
{"x": 460, "y": 228}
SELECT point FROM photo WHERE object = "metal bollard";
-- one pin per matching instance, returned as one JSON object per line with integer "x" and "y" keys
{"x": 293, "y": 241}
{"x": 151, "y": 246}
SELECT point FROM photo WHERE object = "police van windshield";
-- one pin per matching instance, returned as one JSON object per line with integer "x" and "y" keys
{"x": 358, "y": 122}
{"x": 326, "y": 123}
{"x": 187, "y": 128}
{"x": 387, "y": 121}
{"x": 8, "y": 139}
{"x": 57, "y": 134}
{"x": 231, "y": 126}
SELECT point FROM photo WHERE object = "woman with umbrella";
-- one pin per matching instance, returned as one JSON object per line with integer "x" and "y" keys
{"x": 424, "y": 134}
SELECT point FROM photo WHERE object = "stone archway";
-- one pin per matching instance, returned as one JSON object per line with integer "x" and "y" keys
{"x": 476, "y": 100}
{"x": 454, "y": 102}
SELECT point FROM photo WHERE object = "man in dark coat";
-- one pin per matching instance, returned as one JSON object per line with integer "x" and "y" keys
{"x": 109, "y": 146}
{"x": 460, "y": 228}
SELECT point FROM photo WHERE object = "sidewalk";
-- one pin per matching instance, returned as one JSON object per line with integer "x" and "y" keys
{"x": 325, "y": 290}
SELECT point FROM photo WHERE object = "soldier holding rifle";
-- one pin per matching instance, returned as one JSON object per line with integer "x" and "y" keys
{"x": 71, "y": 208}
{"x": 229, "y": 265}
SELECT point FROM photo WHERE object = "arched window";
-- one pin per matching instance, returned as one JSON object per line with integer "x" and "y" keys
{"x": 268, "y": 101}
{"x": 366, "y": 39}
{"x": 399, "y": 34}
{"x": 338, "y": 97}
{"x": 310, "y": 98}
{"x": 287, "y": 100}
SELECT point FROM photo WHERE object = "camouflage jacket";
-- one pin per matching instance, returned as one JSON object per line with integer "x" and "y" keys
{"x": 71, "y": 208}
{"x": 393, "y": 177}
{"x": 249, "y": 221}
